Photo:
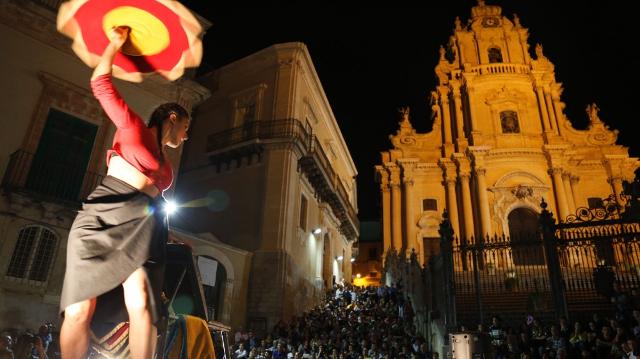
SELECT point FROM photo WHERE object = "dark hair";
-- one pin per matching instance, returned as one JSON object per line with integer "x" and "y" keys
{"x": 161, "y": 113}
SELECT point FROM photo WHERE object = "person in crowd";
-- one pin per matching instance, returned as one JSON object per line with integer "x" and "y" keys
{"x": 5, "y": 346}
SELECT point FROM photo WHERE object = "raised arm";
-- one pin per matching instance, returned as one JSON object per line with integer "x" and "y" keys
{"x": 104, "y": 91}
{"x": 118, "y": 37}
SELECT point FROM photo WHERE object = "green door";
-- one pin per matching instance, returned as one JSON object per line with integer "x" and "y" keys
{"x": 60, "y": 162}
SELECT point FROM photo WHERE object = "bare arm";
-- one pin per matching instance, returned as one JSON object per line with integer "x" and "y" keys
{"x": 118, "y": 36}
{"x": 104, "y": 91}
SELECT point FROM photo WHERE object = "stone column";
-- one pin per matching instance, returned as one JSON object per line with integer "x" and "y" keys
{"x": 452, "y": 204}
{"x": 557, "y": 108}
{"x": 561, "y": 197}
{"x": 467, "y": 208}
{"x": 577, "y": 197}
{"x": 446, "y": 119}
{"x": 483, "y": 200}
{"x": 386, "y": 212}
{"x": 396, "y": 209}
{"x": 616, "y": 185}
{"x": 449, "y": 175}
{"x": 566, "y": 180}
{"x": 543, "y": 109}
{"x": 409, "y": 203}
{"x": 552, "y": 115}
{"x": 461, "y": 139}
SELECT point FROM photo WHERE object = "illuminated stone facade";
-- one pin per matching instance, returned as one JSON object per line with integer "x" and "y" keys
{"x": 268, "y": 172}
{"x": 500, "y": 143}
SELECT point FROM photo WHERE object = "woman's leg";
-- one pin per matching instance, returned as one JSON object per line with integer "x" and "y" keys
{"x": 74, "y": 334}
{"x": 142, "y": 333}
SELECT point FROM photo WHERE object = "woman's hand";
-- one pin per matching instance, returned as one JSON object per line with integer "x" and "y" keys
{"x": 119, "y": 36}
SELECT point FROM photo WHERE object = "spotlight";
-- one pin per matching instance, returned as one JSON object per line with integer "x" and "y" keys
{"x": 358, "y": 275}
{"x": 340, "y": 258}
{"x": 170, "y": 207}
{"x": 353, "y": 259}
{"x": 318, "y": 230}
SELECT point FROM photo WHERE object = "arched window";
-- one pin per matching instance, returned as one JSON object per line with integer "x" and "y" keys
{"x": 33, "y": 254}
{"x": 495, "y": 55}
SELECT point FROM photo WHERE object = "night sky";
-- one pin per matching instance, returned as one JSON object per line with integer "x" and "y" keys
{"x": 373, "y": 60}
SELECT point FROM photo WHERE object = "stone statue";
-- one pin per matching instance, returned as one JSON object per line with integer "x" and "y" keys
{"x": 458, "y": 24}
{"x": 592, "y": 112}
{"x": 442, "y": 53}
{"x": 404, "y": 112}
{"x": 516, "y": 21}
{"x": 539, "y": 54}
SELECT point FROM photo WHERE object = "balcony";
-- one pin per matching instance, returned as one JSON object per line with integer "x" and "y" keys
{"x": 250, "y": 138}
{"x": 51, "y": 181}
{"x": 501, "y": 69}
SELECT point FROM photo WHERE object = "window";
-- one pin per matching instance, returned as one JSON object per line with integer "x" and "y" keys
{"x": 509, "y": 122}
{"x": 303, "y": 212}
{"x": 33, "y": 254}
{"x": 495, "y": 55}
{"x": 595, "y": 202}
{"x": 429, "y": 204}
{"x": 60, "y": 162}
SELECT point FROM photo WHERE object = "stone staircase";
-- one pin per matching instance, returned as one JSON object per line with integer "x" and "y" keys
{"x": 513, "y": 307}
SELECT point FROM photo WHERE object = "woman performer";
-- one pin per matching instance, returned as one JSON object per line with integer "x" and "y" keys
{"x": 119, "y": 236}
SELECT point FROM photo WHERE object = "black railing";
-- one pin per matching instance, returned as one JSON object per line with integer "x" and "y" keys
{"x": 259, "y": 130}
{"x": 314, "y": 158}
{"x": 56, "y": 181}
{"x": 562, "y": 269}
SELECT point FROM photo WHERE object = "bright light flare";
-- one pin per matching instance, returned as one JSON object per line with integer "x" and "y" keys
{"x": 170, "y": 207}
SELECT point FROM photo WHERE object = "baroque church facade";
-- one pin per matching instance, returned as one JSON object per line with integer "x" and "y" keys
{"x": 499, "y": 145}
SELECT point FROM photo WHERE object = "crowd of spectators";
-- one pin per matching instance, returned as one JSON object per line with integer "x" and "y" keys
{"x": 351, "y": 323}
{"x": 40, "y": 344}
{"x": 601, "y": 336}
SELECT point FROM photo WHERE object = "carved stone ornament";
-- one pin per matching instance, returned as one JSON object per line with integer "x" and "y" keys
{"x": 522, "y": 192}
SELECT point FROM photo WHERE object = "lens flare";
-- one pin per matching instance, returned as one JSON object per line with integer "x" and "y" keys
{"x": 170, "y": 207}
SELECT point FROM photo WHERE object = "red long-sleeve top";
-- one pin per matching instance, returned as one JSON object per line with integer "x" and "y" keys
{"x": 133, "y": 141}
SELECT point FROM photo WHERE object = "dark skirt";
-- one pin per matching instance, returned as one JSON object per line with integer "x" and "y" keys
{"x": 118, "y": 230}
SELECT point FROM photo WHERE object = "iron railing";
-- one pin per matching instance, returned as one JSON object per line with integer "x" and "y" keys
{"x": 53, "y": 180}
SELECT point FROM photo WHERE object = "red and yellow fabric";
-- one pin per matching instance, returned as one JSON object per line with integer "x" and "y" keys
{"x": 164, "y": 36}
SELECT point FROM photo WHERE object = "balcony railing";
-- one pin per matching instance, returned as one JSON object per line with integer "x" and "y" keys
{"x": 54, "y": 181}
{"x": 314, "y": 161}
{"x": 258, "y": 130}
{"x": 501, "y": 68}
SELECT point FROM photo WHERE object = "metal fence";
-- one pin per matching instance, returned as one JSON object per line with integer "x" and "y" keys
{"x": 564, "y": 269}
{"x": 50, "y": 179}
